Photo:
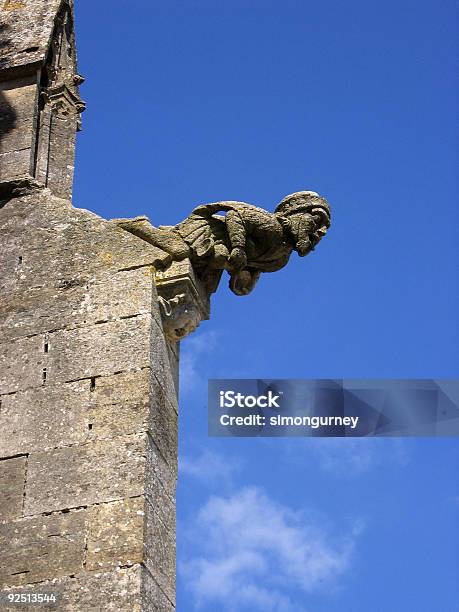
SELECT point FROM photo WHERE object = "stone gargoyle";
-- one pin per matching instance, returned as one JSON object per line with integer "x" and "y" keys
{"x": 245, "y": 240}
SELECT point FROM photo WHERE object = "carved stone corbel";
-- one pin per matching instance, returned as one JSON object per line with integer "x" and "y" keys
{"x": 62, "y": 99}
{"x": 183, "y": 300}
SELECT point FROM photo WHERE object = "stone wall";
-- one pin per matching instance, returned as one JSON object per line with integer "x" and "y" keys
{"x": 17, "y": 120}
{"x": 88, "y": 412}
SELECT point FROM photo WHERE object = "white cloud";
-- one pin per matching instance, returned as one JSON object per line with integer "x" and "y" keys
{"x": 249, "y": 552}
{"x": 209, "y": 467}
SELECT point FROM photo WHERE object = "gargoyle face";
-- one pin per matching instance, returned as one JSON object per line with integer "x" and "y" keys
{"x": 305, "y": 217}
{"x": 184, "y": 320}
{"x": 307, "y": 230}
{"x": 179, "y": 316}
{"x": 303, "y": 247}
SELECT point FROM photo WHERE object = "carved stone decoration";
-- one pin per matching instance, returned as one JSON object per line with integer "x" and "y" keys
{"x": 183, "y": 301}
{"x": 59, "y": 81}
{"x": 245, "y": 242}
{"x": 180, "y": 317}
{"x": 60, "y": 108}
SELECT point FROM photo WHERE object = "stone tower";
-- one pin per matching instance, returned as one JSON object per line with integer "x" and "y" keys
{"x": 88, "y": 381}
{"x": 91, "y": 315}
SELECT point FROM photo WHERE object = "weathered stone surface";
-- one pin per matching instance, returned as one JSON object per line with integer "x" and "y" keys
{"x": 160, "y": 364}
{"x": 44, "y": 418}
{"x": 73, "y": 354}
{"x": 115, "y": 534}
{"x": 67, "y": 269}
{"x": 160, "y": 521}
{"x": 173, "y": 353}
{"x": 63, "y": 247}
{"x": 38, "y": 309}
{"x": 39, "y": 548}
{"x": 96, "y": 350}
{"x": 27, "y": 27}
{"x": 14, "y": 163}
{"x": 164, "y": 424}
{"x": 96, "y": 472}
{"x": 119, "y": 405}
{"x": 24, "y": 363}
{"x": 161, "y": 481}
{"x": 160, "y": 552}
{"x": 153, "y": 597}
{"x": 17, "y": 111}
{"x": 12, "y": 481}
{"x": 79, "y": 353}
{"x": 21, "y": 97}
{"x": 99, "y": 350}
{"x": 37, "y": 50}
{"x": 117, "y": 591}
{"x": 59, "y": 415}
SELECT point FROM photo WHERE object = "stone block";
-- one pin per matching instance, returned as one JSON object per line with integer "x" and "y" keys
{"x": 19, "y": 94}
{"x": 12, "y": 481}
{"x": 96, "y": 472}
{"x": 160, "y": 553}
{"x": 73, "y": 301}
{"x": 173, "y": 352}
{"x": 43, "y": 547}
{"x": 19, "y": 139}
{"x": 153, "y": 597}
{"x": 115, "y": 534}
{"x": 14, "y": 163}
{"x": 27, "y": 26}
{"x": 120, "y": 295}
{"x": 23, "y": 363}
{"x": 159, "y": 473}
{"x": 17, "y": 102}
{"x": 53, "y": 416}
{"x": 119, "y": 405}
{"x": 160, "y": 364}
{"x": 43, "y": 418}
{"x": 115, "y": 591}
{"x": 160, "y": 521}
{"x": 164, "y": 423}
{"x": 99, "y": 350}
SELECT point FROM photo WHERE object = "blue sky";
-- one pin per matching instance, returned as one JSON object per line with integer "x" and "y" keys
{"x": 198, "y": 101}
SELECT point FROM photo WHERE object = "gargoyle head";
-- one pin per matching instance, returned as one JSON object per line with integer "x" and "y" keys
{"x": 305, "y": 217}
{"x": 180, "y": 317}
